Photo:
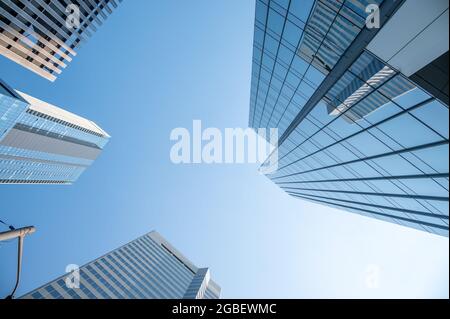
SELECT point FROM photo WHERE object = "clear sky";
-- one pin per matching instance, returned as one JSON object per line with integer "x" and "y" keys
{"x": 158, "y": 65}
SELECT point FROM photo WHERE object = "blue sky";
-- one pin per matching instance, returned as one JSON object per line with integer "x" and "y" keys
{"x": 158, "y": 65}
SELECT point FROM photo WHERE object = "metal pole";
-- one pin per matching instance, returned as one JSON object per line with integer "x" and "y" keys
{"x": 10, "y": 234}
{"x": 20, "y": 234}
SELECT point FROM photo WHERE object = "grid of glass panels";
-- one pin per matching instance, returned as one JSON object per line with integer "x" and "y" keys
{"x": 294, "y": 48}
{"x": 391, "y": 162}
{"x": 142, "y": 269}
{"x": 21, "y": 166}
{"x": 10, "y": 110}
{"x": 25, "y": 171}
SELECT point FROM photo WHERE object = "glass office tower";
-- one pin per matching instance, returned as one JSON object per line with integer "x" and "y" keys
{"x": 362, "y": 112}
{"x": 146, "y": 268}
{"x": 42, "y": 35}
{"x": 43, "y": 144}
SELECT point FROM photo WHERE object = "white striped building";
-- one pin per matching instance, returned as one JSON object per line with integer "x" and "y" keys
{"x": 146, "y": 268}
{"x": 43, "y": 35}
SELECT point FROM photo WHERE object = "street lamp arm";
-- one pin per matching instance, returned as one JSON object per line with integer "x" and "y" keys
{"x": 20, "y": 234}
{"x": 11, "y": 234}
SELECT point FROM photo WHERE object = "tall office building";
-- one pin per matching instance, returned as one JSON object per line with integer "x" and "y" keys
{"x": 146, "y": 268}
{"x": 42, "y": 35}
{"x": 361, "y": 109}
{"x": 43, "y": 144}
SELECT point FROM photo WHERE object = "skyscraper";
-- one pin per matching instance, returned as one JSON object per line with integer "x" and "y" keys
{"x": 43, "y": 144}
{"x": 42, "y": 35}
{"x": 361, "y": 108}
{"x": 146, "y": 268}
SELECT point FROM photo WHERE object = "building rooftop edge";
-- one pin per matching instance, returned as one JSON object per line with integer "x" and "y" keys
{"x": 62, "y": 114}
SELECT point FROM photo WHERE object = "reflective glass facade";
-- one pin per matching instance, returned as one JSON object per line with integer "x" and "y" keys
{"x": 146, "y": 268}
{"x": 375, "y": 143}
{"x": 42, "y": 144}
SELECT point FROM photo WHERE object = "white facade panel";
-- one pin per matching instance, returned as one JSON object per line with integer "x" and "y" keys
{"x": 416, "y": 35}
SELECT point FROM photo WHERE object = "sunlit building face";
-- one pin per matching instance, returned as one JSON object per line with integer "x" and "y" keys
{"x": 363, "y": 120}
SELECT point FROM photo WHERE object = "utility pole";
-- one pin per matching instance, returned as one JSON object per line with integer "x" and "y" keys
{"x": 19, "y": 233}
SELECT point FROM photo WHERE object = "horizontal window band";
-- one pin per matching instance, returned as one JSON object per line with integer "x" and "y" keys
{"x": 405, "y": 150}
{"x": 26, "y": 64}
{"x": 35, "y": 160}
{"x": 34, "y": 130}
{"x": 54, "y": 119}
{"x": 24, "y": 181}
{"x": 403, "y": 210}
{"x": 378, "y": 178}
{"x": 424, "y": 197}
{"x": 377, "y": 213}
